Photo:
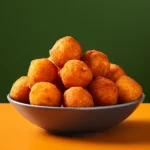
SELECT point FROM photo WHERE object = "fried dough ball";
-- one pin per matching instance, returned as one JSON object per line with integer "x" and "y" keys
{"x": 76, "y": 73}
{"x": 45, "y": 94}
{"x": 128, "y": 89}
{"x": 20, "y": 90}
{"x": 115, "y": 72}
{"x": 41, "y": 70}
{"x": 97, "y": 61}
{"x": 104, "y": 91}
{"x": 77, "y": 97}
{"x": 66, "y": 48}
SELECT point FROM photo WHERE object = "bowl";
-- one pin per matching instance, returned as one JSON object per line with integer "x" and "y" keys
{"x": 76, "y": 120}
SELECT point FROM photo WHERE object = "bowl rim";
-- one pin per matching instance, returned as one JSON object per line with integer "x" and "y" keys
{"x": 141, "y": 99}
{"x": 78, "y": 108}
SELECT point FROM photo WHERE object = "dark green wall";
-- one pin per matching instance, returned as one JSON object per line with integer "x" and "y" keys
{"x": 28, "y": 29}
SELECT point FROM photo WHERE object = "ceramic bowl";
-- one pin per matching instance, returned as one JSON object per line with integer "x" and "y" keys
{"x": 76, "y": 120}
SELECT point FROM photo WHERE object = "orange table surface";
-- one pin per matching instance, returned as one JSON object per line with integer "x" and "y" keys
{"x": 16, "y": 133}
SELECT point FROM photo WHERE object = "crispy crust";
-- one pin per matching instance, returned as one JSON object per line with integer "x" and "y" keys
{"x": 76, "y": 73}
{"x": 41, "y": 70}
{"x": 104, "y": 91}
{"x": 97, "y": 61}
{"x": 115, "y": 72}
{"x": 20, "y": 90}
{"x": 129, "y": 89}
{"x": 77, "y": 97}
{"x": 66, "y": 48}
{"x": 45, "y": 94}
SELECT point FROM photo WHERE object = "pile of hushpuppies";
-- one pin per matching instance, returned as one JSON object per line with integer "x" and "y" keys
{"x": 68, "y": 78}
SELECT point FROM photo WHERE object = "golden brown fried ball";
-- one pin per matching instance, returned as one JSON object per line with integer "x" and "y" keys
{"x": 128, "y": 89}
{"x": 77, "y": 97}
{"x": 66, "y": 48}
{"x": 45, "y": 94}
{"x": 97, "y": 61}
{"x": 115, "y": 72}
{"x": 75, "y": 73}
{"x": 20, "y": 90}
{"x": 104, "y": 91}
{"x": 41, "y": 70}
